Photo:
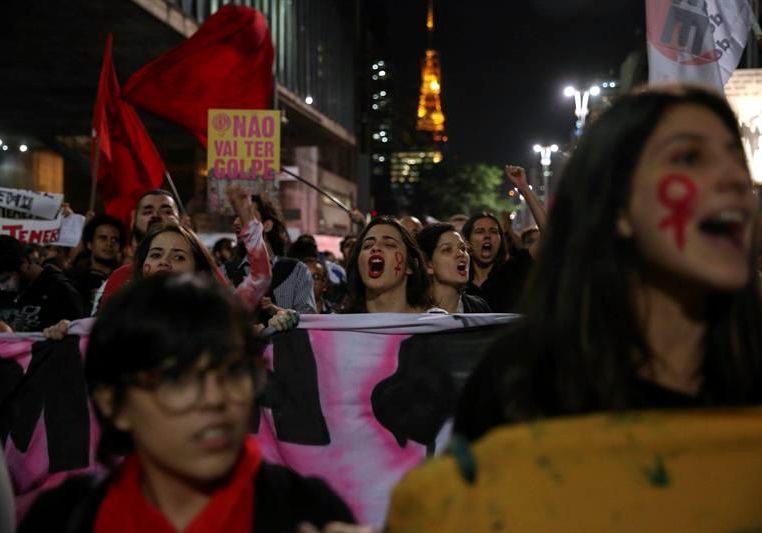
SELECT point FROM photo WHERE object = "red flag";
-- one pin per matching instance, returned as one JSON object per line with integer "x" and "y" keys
{"x": 128, "y": 164}
{"x": 227, "y": 63}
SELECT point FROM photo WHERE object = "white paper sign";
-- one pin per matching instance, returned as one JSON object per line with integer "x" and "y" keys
{"x": 39, "y": 204}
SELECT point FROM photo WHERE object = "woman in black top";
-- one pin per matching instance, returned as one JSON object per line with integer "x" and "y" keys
{"x": 644, "y": 295}
{"x": 447, "y": 264}
{"x": 173, "y": 368}
{"x": 497, "y": 275}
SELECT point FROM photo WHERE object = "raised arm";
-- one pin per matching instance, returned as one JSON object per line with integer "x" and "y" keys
{"x": 518, "y": 177}
{"x": 256, "y": 284}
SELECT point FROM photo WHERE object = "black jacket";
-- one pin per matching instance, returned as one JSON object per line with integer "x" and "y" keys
{"x": 282, "y": 500}
{"x": 49, "y": 298}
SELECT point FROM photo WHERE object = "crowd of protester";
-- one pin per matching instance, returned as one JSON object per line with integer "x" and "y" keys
{"x": 623, "y": 303}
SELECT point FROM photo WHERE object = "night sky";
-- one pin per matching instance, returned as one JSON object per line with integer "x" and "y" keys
{"x": 505, "y": 64}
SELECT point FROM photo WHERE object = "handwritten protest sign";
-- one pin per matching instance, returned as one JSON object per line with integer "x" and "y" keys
{"x": 30, "y": 203}
{"x": 32, "y": 231}
{"x": 62, "y": 231}
{"x": 243, "y": 148}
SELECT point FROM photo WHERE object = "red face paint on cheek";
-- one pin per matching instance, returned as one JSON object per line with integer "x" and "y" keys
{"x": 678, "y": 194}
{"x": 399, "y": 259}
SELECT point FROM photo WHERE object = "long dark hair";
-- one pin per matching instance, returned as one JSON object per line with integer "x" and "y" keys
{"x": 277, "y": 237}
{"x": 429, "y": 236}
{"x": 204, "y": 261}
{"x": 158, "y": 319}
{"x": 581, "y": 327}
{"x": 417, "y": 284}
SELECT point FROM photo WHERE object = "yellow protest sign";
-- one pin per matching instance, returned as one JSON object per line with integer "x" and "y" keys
{"x": 650, "y": 471}
{"x": 243, "y": 148}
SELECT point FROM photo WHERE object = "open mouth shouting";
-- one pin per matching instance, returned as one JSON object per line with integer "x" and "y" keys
{"x": 727, "y": 225}
{"x": 376, "y": 265}
{"x": 486, "y": 250}
{"x": 462, "y": 268}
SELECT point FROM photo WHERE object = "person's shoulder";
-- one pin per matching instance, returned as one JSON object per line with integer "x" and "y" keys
{"x": 519, "y": 258}
{"x": 71, "y": 506}
{"x": 475, "y": 304}
{"x": 124, "y": 271}
{"x": 54, "y": 280}
{"x": 282, "y": 496}
{"x": 120, "y": 276}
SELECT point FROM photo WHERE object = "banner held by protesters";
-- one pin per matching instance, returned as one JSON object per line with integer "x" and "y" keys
{"x": 359, "y": 377}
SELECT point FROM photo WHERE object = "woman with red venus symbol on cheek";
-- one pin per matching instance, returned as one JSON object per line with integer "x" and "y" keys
{"x": 385, "y": 273}
{"x": 644, "y": 296}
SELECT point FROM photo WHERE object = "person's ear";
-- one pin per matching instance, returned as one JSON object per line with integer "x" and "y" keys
{"x": 430, "y": 269}
{"x": 89, "y": 246}
{"x": 624, "y": 225}
{"x": 103, "y": 397}
{"x": 267, "y": 226}
{"x": 133, "y": 216}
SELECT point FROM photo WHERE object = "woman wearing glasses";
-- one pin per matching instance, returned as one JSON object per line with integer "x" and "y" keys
{"x": 173, "y": 369}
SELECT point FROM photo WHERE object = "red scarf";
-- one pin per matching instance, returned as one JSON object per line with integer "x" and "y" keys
{"x": 231, "y": 508}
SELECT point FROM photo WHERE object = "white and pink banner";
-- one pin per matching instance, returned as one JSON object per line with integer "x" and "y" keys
{"x": 698, "y": 41}
{"x": 357, "y": 400}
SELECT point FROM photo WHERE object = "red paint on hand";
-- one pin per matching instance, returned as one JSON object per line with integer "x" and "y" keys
{"x": 678, "y": 193}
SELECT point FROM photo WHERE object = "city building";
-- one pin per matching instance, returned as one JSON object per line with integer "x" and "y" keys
{"x": 52, "y": 54}
{"x": 430, "y": 138}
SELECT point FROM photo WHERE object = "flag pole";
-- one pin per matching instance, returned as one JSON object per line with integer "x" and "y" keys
{"x": 94, "y": 171}
{"x": 318, "y": 189}
{"x": 174, "y": 191}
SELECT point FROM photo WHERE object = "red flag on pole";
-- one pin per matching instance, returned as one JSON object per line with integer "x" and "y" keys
{"x": 227, "y": 63}
{"x": 125, "y": 162}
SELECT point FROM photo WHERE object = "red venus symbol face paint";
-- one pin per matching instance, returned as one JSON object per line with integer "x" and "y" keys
{"x": 678, "y": 193}
{"x": 399, "y": 259}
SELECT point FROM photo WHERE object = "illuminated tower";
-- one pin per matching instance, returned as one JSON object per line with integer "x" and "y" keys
{"x": 430, "y": 116}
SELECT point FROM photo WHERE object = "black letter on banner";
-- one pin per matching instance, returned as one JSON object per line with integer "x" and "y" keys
{"x": 55, "y": 383}
{"x": 689, "y": 23}
{"x": 416, "y": 401}
{"x": 292, "y": 392}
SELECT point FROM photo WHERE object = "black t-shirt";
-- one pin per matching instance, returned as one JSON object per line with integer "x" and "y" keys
{"x": 48, "y": 299}
{"x": 508, "y": 387}
{"x": 505, "y": 283}
{"x": 87, "y": 282}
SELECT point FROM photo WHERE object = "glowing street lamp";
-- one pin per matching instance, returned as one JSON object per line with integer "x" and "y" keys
{"x": 581, "y": 101}
{"x": 545, "y": 152}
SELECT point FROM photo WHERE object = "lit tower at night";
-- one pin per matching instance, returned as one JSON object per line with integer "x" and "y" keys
{"x": 430, "y": 116}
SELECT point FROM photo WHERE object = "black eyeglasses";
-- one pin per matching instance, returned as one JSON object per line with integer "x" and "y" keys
{"x": 178, "y": 390}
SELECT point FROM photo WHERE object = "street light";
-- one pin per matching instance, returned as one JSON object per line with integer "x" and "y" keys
{"x": 545, "y": 152}
{"x": 581, "y": 100}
